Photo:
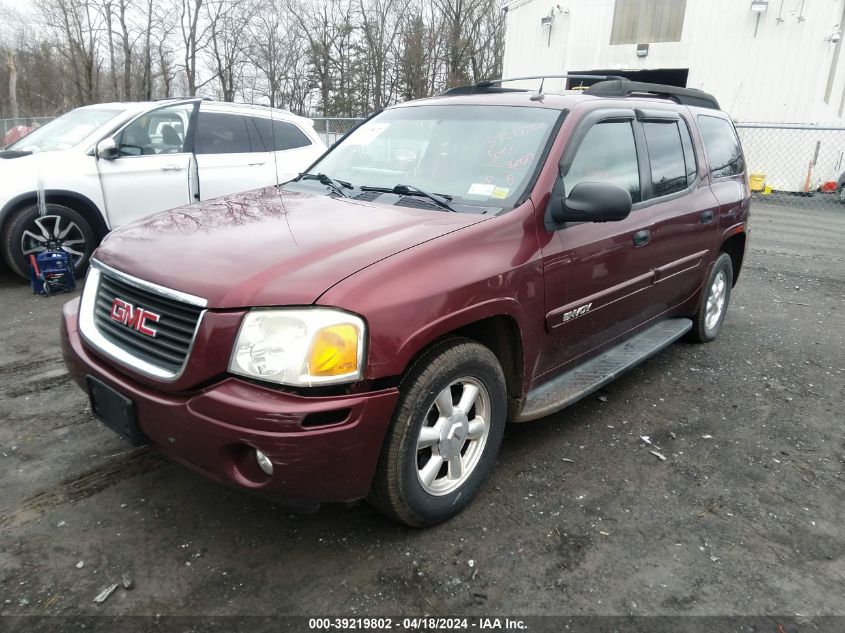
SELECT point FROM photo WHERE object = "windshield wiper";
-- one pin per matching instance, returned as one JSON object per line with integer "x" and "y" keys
{"x": 337, "y": 186}
{"x": 440, "y": 199}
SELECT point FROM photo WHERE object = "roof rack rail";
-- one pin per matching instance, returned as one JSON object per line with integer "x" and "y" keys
{"x": 180, "y": 99}
{"x": 621, "y": 87}
{"x": 490, "y": 85}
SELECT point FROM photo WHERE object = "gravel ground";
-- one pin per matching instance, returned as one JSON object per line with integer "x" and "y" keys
{"x": 745, "y": 516}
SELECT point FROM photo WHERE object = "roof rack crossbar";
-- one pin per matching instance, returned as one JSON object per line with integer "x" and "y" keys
{"x": 621, "y": 87}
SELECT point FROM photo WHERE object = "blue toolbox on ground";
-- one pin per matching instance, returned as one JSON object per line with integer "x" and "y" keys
{"x": 51, "y": 272}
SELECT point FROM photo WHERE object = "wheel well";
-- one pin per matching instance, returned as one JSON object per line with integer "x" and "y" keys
{"x": 80, "y": 204}
{"x": 734, "y": 246}
{"x": 500, "y": 334}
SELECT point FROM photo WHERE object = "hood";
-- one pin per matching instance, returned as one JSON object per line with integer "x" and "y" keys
{"x": 269, "y": 246}
{"x": 20, "y": 169}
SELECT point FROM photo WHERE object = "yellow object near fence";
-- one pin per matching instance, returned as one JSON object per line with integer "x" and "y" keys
{"x": 757, "y": 182}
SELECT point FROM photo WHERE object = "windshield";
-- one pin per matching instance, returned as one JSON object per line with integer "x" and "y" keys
{"x": 66, "y": 131}
{"x": 475, "y": 155}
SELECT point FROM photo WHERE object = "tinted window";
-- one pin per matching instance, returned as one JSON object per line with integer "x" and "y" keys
{"x": 689, "y": 153}
{"x": 219, "y": 133}
{"x": 607, "y": 154}
{"x": 666, "y": 157}
{"x": 281, "y": 134}
{"x": 255, "y": 141}
{"x": 722, "y": 146}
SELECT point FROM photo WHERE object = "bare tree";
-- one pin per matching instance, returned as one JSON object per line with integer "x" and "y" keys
{"x": 336, "y": 57}
{"x": 13, "y": 84}
{"x": 123, "y": 9}
{"x": 77, "y": 26}
{"x": 107, "y": 15}
{"x": 380, "y": 27}
{"x": 193, "y": 38}
{"x": 228, "y": 19}
{"x": 147, "y": 77}
{"x": 277, "y": 52}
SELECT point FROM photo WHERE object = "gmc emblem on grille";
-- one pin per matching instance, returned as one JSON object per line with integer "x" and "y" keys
{"x": 132, "y": 316}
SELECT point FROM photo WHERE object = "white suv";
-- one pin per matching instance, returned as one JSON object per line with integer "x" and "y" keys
{"x": 106, "y": 165}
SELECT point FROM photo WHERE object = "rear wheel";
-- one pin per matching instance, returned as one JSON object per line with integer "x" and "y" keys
{"x": 841, "y": 194}
{"x": 444, "y": 436}
{"x": 707, "y": 322}
{"x": 29, "y": 233}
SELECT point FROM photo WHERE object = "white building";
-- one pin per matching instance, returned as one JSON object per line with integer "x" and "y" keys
{"x": 765, "y": 60}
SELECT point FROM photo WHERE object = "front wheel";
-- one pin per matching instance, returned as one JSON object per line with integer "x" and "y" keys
{"x": 28, "y": 233}
{"x": 707, "y": 322}
{"x": 444, "y": 436}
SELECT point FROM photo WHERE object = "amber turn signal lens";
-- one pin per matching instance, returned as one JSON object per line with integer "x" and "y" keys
{"x": 334, "y": 351}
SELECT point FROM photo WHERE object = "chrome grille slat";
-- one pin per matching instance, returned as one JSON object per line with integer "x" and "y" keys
{"x": 188, "y": 314}
{"x": 123, "y": 335}
{"x": 175, "y": 329}
{"x": 179, "y": 336}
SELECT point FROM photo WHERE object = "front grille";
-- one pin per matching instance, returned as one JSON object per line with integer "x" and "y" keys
{"x": 174, "y": 329}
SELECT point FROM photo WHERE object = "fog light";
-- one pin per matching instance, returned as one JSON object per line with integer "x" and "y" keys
{"x": 264, "y": 462}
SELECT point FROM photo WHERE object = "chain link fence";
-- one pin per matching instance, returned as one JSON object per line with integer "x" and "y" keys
{"x": 7, "y": 125}
{"x": 795, "y": 164}
{"x": 330, "y": 130}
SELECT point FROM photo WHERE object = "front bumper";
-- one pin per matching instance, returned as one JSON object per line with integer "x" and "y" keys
{"x": 214, "y": 430}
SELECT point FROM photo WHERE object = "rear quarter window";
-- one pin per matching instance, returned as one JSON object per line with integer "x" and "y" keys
{"x": 721, "y": 146}
{"x": 281, "y": 134}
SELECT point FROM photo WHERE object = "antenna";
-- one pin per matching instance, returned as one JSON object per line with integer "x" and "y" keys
{"x": 275, "y": 158}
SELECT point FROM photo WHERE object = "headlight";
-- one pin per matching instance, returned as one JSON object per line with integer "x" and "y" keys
{"x": 300, "y": 347}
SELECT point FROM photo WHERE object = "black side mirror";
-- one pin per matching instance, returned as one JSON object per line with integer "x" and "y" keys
{"x": 592, "y": 202}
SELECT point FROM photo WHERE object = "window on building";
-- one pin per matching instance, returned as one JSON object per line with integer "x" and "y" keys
{"x": 669, "y": 173}
{"x": 607, "y": 154}
{"x": 722, "y": 146}
{"x": 647, "y": 21}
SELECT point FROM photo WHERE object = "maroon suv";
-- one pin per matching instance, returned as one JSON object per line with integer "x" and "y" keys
{"x": 367, "y": 329}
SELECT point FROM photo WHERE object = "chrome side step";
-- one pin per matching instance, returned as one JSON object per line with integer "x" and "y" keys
{"x": 583, "y": 380}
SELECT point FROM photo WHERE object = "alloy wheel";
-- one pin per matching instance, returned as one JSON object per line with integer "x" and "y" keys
{"x": 53, "y": 232}
{"x": 453, "y": 435}
{"x": 716, "y": 300}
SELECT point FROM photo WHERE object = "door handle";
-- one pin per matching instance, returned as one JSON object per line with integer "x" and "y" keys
{"x": 256, "y": 164}
{"x": 641, "y": 238}
{"x": 172, "y": 168}
{"x": 707, "y": 216}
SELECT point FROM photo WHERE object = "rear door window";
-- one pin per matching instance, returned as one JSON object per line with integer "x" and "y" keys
{"x": 666, "y": 157}
{"x": 608, "y": 153}
{"x": 722, "y": 146}
{"x": 219, "y": 133}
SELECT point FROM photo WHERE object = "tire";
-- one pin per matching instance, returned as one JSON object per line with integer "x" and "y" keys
{"x": 26, "y": 232}
{"x": 708, "y": 319}
{"x": 841, "y": 194}
{"x": 436, "y": 382}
